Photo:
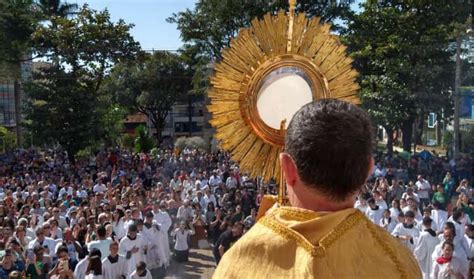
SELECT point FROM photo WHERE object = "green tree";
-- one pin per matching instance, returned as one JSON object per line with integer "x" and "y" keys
{"x": 208, "y": 28}
{"x": 17, "y": 23}
{"x": 151, "y": 86}
{"x": 66, "y": 103}
{"x": 388, "y": 103}
{"x": 212, "y": 23}
{"x": 51, "y": 8}
{"x": 407, "y": 42}
{"x": 62, "y": 110}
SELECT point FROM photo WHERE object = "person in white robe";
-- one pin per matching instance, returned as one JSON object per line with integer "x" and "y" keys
{"x": 407, "y": 231}
{"x": 460, "y": 243}
{"x": 361, "y": 204}
{"x": 424, "y": 248}
{"x": 458, "y": 220}
{"x": 427, "y": 213}
{"x": 94, "y": 269}
{"x": 114, "y": 266}
{"x": 141, "y": 272}
{"x": 469, "y": 236}
{"x": 449, "y": 235}
{"x": 151, "y": 235}
{"x": 374, "y": 212}
{"x": 131, "y": 247}
{"x": 163, "y": 219}
{"x": 387, "y": 222}
{"x": 81, "y": 268}
{"x": 447, "y": 265}
{"x": 439, "y": 216}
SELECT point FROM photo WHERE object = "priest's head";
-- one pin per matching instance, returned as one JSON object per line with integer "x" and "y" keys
{"x": 328, "y": 155}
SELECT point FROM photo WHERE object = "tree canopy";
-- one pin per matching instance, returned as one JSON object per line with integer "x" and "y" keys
{"x": 151, "y": 85}
{"x": 402, "y": 50}
{"x": 66, "y": 104}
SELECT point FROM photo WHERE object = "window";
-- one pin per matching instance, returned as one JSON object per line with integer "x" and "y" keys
{"x": 183, "y": 127}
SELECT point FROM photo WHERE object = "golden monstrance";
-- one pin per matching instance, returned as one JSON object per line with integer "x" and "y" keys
{"x": 272, "y": 69}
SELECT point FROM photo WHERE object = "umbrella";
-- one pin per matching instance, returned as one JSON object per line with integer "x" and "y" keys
{"x": 425, "y": 155}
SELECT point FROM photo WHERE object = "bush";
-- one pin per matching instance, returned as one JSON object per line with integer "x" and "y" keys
{"x": 448, "y": 138}
{"x": 7, "y": 139}
{"x": 143, "y": 141}
{"x": 191, "y": 143}
{"x": 128, "y": 141}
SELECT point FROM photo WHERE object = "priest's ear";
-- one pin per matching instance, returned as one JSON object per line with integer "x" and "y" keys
{"x": 288, "y": 166}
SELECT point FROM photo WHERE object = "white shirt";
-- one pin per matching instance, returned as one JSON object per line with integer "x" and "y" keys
{"x": 405, "y": 196}
{"x": 401, "y": 230}
{"x": 374, "y": 215}
{"x": 423, "y": 187}
{"x": 181, "y": 239}
{"x": 99, "y": 188}
{"x": 102, "y": 245}
{"x": 48, "y": 242}
{"x": 215, "y": 180}
{"x": 418, "y": 215}
{"x": 470, "y": 247}
{"x": 184, "y": 213}
{"x": 382, "y": 203}
{"x": 394, "y": 213}
{"x": 82, "y": 194}
{"x": 174, "y": 184}
{"x": 119, "y": 229}
{"x": 65, "y": 190}
{"x": 209, "y": 199}
{"x": 358, "y": 205}
{"x": 231, "y": 182}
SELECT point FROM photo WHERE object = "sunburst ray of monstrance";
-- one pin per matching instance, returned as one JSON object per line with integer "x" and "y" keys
{"x": 272, "y": 69}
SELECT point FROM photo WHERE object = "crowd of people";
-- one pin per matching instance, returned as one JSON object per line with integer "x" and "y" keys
{"x": 117, "y": 214}
{"x": 429, "y": 205}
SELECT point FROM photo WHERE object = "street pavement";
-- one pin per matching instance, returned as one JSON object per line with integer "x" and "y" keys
{"x": 201, "y": 264}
